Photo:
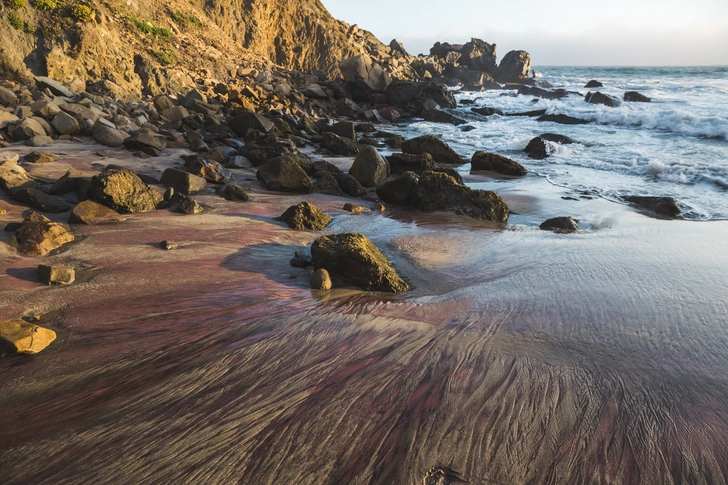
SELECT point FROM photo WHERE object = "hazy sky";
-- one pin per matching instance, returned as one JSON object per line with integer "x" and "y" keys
{"x": 556, "y": 32}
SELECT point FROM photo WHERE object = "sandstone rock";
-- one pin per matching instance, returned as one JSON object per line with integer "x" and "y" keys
{"x": 339, "y": 145}
{"x": 369, "y": 168}
{"x": 362, "y": 70}
{"x": 40, "y": 157}
{"x": 563, "y": 119}
{"x": 497, "y": 163}
{"x": 189, "y": 206}
{"x": 10, "y": 158}
{"x": 594, "y": 84}
{"x": 66, "y": 124}
{"x": 514, "y": 66}
{"x": 399, "y": 190}
{"x": 56, "y": 275}
{"x": 124, "y": 192}
{"x": 250, "y": 121}
{"x": 663, "y": 206}
{"x": 73, "y": 181}
{"x": 37, "y": 235}
{"x": 40, "y": 141}
{"x": 40, "y": 200}
{"x": 379, "y": 206}
{"x": 234, "y": 193}
{"x": 7, "y": 97}
{"x": 283, "y": 174}
{"x": 7, "y": 119}
{"x": 14, "y": 177}
{"x": 19, "y": 337}
{"x": 600, "y": 98}
{"x": 43, "y": 82}
{"x": 108, "y": 136}
{"x": 305, "y": 217}
{"x": 89, "y": 212}
{"x": 355, "y": 258}
{"x": 27, "y": 129}
{"x": 437, "y": 191}
{"x": 439, "y": 150}
{"x": 183, "y": 182}
{"x": 175, "y": 113}
{"x": 45, "y": 108}
{"x": 354, "y": 208}
{"x": 209, "y": 170}
{"x": 320, "y": 280}
{"x": 168, "y": 245}
{"x": 560, "y": 224}
{"x": 631, "y": 96}
{"x": 145, "y": 143}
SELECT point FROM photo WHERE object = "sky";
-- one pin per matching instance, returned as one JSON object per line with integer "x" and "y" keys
{"x": 556, "y": 32}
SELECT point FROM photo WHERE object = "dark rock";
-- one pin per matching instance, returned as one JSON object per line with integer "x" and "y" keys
{"x": 560, "y": 224}
{"x": 349, "y": 184}
{"x": 66, "y": 124}
{"x": 327, "y": 184}
{"x": 12, "y": 226}
{"x": 40, "y": 200}
{"x": 324, "y": 166}
{"x": 556, "y": 138}
{"x": 55, "y": 87}
{"x": 37, "y": 235}
{"x": 301, "y": 260}
{"x": 413, "y": 97}
{"x": 497, "y": 163}
{"x": 354, "y": 208}
{"x": 209, "y": 170}
{"x": 440, "y": 116}
{"x": 27, "y": 129}
{"x": 183, "y": 182}
{"x": 635, "y": 97}
{"x": 250, "y": 121}
{"x": 594, "y": 84}
{"x": 542, "y": 93}
{"x": 109, "y": 136}
{"x": 40, "y": 157}
{"x": 89, "y": 212}
{"x": 538, "y": 112}
{"x": 485, "y": 111}
{"x": 440, "y": 192}
{"x": 283, "y": 174}
{"x": 261, "y": 152}
{"x": 168, "y": 245}
{"x": 537, "y": 148}
{"x": 355, "y": 258}
{"x": 124, "y": 192}
{"x": 514, "y": 66}
{"x": 305, "y": 217}
{"x": 56, "y": 275}
{"x": 339, "y": 145}
{"x": 189, "y": 206}
{"x": 406, "y": 162}
{"x": 238, "y": 161}
{"x": 399, "y": 190}
{"x": 600, "y": 98}
{"x": 663, "y": 206}
{"x": 439, "y": 150}
{"x": 145, "y": 143}
{"x": 563, "y": 119}
{"x": 369, "y": 168}
{"x": 344, "y": 129}
{"x": 73, "y": 181}
{"x": 234, "y": 193}
{"x": 362, "y": 71}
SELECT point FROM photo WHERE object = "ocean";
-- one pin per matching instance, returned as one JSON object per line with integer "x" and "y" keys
{"x": 675, "y": 146}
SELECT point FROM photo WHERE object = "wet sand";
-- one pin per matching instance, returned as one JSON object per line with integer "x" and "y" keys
{"x": 520, "y": 356}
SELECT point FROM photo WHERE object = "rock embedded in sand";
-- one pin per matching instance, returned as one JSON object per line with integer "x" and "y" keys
{"x": 250, "y": 121}
{"x": 38, "y": 235}
{"x": 168, "y": 245}
{"x": 124, "y": 192}
{"x": 305, "y": 217}
{"x": 355, "y": 258}
{"x": 40, "y": 157}
{"x": 209, "y": 170}
{"x": 320, "y": 280}
{"x": 437, "y": 191}
{"x": 189, "y": 206}
{"x": 108, "y": 136}
{"x": 369, "y": 168}
{"x": 284, "y": 174}
{"x": 19, "y": 337}
{"x": 399, "y": 190}
{"x": 89, "y": 212}
{"x": 10, "y": 158}
{"x": 234, "y": 193}
{"x": 438, "y": 149}
{"x": 564, "y": 224}
{"x": 56, "y": 275}
{"x": 497, "y": 163}
{"x": 183, "y": 182}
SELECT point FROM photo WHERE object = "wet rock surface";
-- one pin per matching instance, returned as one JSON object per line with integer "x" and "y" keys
{"x": 305, "y": 217}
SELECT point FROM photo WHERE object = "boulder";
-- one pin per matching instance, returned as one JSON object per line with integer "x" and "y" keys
{"x": 362, "y": 71}
{"x": 37, "y": 235}
{"x": 40, "y": 141}
{"x": 14, "y": 177}
{"x": 662, "y": 206}
{"x": 349, "y": 184}
{"x": 479, "y": 55}
{"x": 440, "y": 116}
{"x": 338, "y": 145}
{"x": 40, "y": 200}
{"x": 600, "y": 98}
{"x": 514, "y": 66}
{"x": 560, "y": 224}
{"x": 439, "y": 150}
{"x": 73, "y": 181}
{"x": 7, "y": 119}
{"x": 56, "y": 275}
{"x": 497, "y": 163}
{"x": 43, "y": 82}
{"x": 345, "y": 129}
{"x": 19, "y": 337}
{"x": 355, "y": 258}
{"x": 635, "y": 97}
{"x": 124, "y": 192}
{"x": 189, "y": 206}
{"x": 250, "y": 121}
{"x": 66, "y": 124}
{"x": 40, "y": 157}
{"x": 234, "y": 193}
{"x": 594, "y": 84}
{"x": 354, "y": 208}
{"x": 399, "y": 190}
{"x": 175, "y": 113}
{"x": 183, "y": 182}
{"x": 89, "y": 212}
{"x": 437, "y": 191}
{"x": 260, "y": 152}
{"x": 283, "y": 174}
{"x": 538, "y": 149}
{"x": 45, "y": 109}
{"x": 369, "y": 168}
{"x": 10, "y": 158}
{"x": 486, "y": 111}
{"x": 414, "y": 97}
{"x": 209, "y": 170}
{"x": 305, "y": 217}
{"x": 563, "y": 119}
{"x": 145, "y": 143}
{"x": 320, "y": 280}
{"x": 327, "y": 184}
{"x": 27, "y": 129}
{"x": 108, "y": 136}
{"x": 542, "y": 93}
{"x": 313, "y": 91}
{"x": 7, "y": 97}
{"x": 407, "y": 162}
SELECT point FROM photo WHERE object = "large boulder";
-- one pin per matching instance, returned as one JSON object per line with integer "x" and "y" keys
{"x": 538, "y": 148}
{"x": 399, "y": 190}
{"x": 496, "y": 163}
{"x": 305, "y": 217}
{"x": 38, "y": 199}
{"x": 73, "y": 181}
{"x": 327, "y": 184}
{"x": 369, "y": 168}
{"x": 234, "y": 193}
{"x": 27, "y": 129}
{"x": 355, "y": 258}
{"x": 439, "y": 150}
{"x": 362, "y": 71}
{"x": 407, "y": 162}
{"x": 38, "y": 235}
{"x": 514, "y": 66}
{"x": 543, "y": 93}
{"x": 418, "y": 97}
{"x": 7, "y": 97}
{"x": 261, "y": 152}
{"x": 66, "y": 124}
{"x": 89, "y": 212}
{"x": 146, "y": 143}
{"x": 338, "y": 145}
{"x": 478, "y": 54}
{"x": 284, "y": 174}
{"x": 19, "y": 337}
{"x": 250, "y": 121}
{"x": 14, "y": 177}
{"x": 183, "y": 182}
{"x": 437, "y": 191}
{"x": 124, "y": 192}
{"x": 345, "y": 129}
{"x": 597, "y": 97}
{"x": 110, "y": 137}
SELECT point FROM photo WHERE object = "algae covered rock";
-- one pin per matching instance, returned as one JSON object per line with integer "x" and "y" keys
{"x": 497, "y": 163}
{"x": 124, "y": 192}
{"x": 440, "y": 151}
{"x": 305, "y": 217}
{"x": 355, "y": 258}
{"x": 38, "y": 235}
{"x": 564, "y": 224}
{"x": 437, "y": 191}
{"x": 369, "y": 168}
{"x": 398, "y": 191}
{"x": 19, "y": 337}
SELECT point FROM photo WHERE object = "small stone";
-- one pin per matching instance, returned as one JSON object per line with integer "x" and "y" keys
{"x": 168, "y": 245}
{"x": 379, "y": 206}
{"x": 234, "y": 193}
{"x": 19, "y": 337}
{"x": 189, "y": 206}
{"x": 321, "y": 280}
{"x": 355, "y": 208}
{"x": 305, "y": 216}
{"x": 12, "y": 226}
{"x": 56, "y": 275}
{"x": 40, "y": 157}
{"x": 560, "y": 224}
{"x": 9, "y": 158}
